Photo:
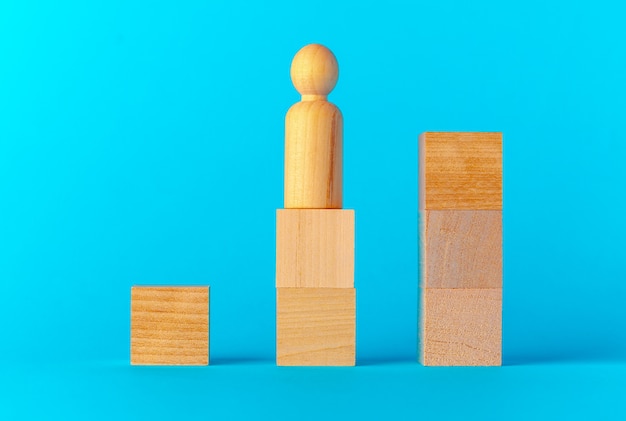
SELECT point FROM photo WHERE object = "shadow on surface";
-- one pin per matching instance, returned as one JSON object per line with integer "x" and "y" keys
{"x": 564, "y": 354}
{"x": 386, "y": 360}
{"x": 240, "y": 360}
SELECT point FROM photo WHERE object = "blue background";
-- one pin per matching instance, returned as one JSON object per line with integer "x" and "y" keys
{"x": 142, "y": 143}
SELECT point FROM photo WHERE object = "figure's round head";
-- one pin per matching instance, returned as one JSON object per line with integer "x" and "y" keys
{"x": 314, "y": 70}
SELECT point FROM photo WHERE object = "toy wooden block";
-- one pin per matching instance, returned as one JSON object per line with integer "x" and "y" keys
{"x": 315, "y": 248}
{"x": 461, "y": 249}
{"x": 461, "y": 327}
{"x": 460, "y": 171}
{"x": 315, "y": 326}
{"x": 169, "y": 326}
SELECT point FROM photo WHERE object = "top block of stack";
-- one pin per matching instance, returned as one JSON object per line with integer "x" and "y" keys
{"x": 460, "y": 171}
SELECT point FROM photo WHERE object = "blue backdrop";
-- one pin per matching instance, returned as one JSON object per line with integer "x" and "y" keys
{"x": 142, "y": 143}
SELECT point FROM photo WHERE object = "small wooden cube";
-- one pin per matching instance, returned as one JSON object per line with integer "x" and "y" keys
{"x": 169, "y": 325}
{"x": 461, "y": 249}
{"x": 460, "y": 171}
{"x": 315, "y": 248}
{"x": 315, "y": 326}
{"x": 461, "y": 327}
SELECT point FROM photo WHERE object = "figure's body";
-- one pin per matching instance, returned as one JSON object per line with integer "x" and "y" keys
{"x": 314, "y": 134}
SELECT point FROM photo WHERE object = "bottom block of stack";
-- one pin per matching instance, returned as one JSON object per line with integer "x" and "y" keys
{"x": 315, "y": 326}
{"x": 169, "y": 326}
{"x": 461, "y": 327}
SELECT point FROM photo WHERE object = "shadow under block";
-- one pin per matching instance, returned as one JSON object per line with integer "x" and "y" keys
{"x": 461, "y": 249}
{"x": 461, "y": 327}
{"x": 169, "y": 326}
{"x": 315, "y": 248}
{"x": 315, "y": 326}
{"x": 460, "y": 170}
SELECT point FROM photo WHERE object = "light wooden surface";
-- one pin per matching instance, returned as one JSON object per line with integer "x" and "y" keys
{"x": 169, "y": 326}
{"x": 461, "y": 327}
{"x": 315, "y": 248}
{"x": 315, "y": 326}
{"x": 313, "y": 134}
{"x": 460, "y": 171}
{"x": 461, "y": 249}
{"x": 314, "y": 71}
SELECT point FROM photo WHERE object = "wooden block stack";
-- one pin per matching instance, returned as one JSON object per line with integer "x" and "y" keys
{"x": 169, "y": 325}
{"x": 460, "y": 249}
{"x": 315, "y": 295}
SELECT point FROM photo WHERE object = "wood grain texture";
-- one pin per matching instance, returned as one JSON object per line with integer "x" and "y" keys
{"x": 461, "y": 249}
{"x": 314, "y": 71}
{"x": 461, "y": 327}
{"x": 315, "y": 248}
{"x": 169, "y": 325}
{"x": 313, "y": 156}
{"x": 315, "y": 326}
{"x": 460, "y": 171}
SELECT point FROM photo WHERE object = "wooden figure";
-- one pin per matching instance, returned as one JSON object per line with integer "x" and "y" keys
{"x": 169, "y": 325}
{"x": 316, "y": 299}
{"x": 460, "y": 248}
{"x": 313, "y": 134}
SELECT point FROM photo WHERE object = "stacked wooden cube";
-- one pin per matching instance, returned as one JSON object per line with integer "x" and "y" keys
{"x": 460, "y": 248}
{"x": 315, "y": 295}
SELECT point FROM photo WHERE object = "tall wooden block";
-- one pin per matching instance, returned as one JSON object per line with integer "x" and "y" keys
{"x": 461, "y": 327}
{"x": 315, "y": 326}
{"x": 315, "y": 248}
{"x": 169, "y": 326}
{"x": 460, "y": 171}
{"x": 461, "y": 249}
